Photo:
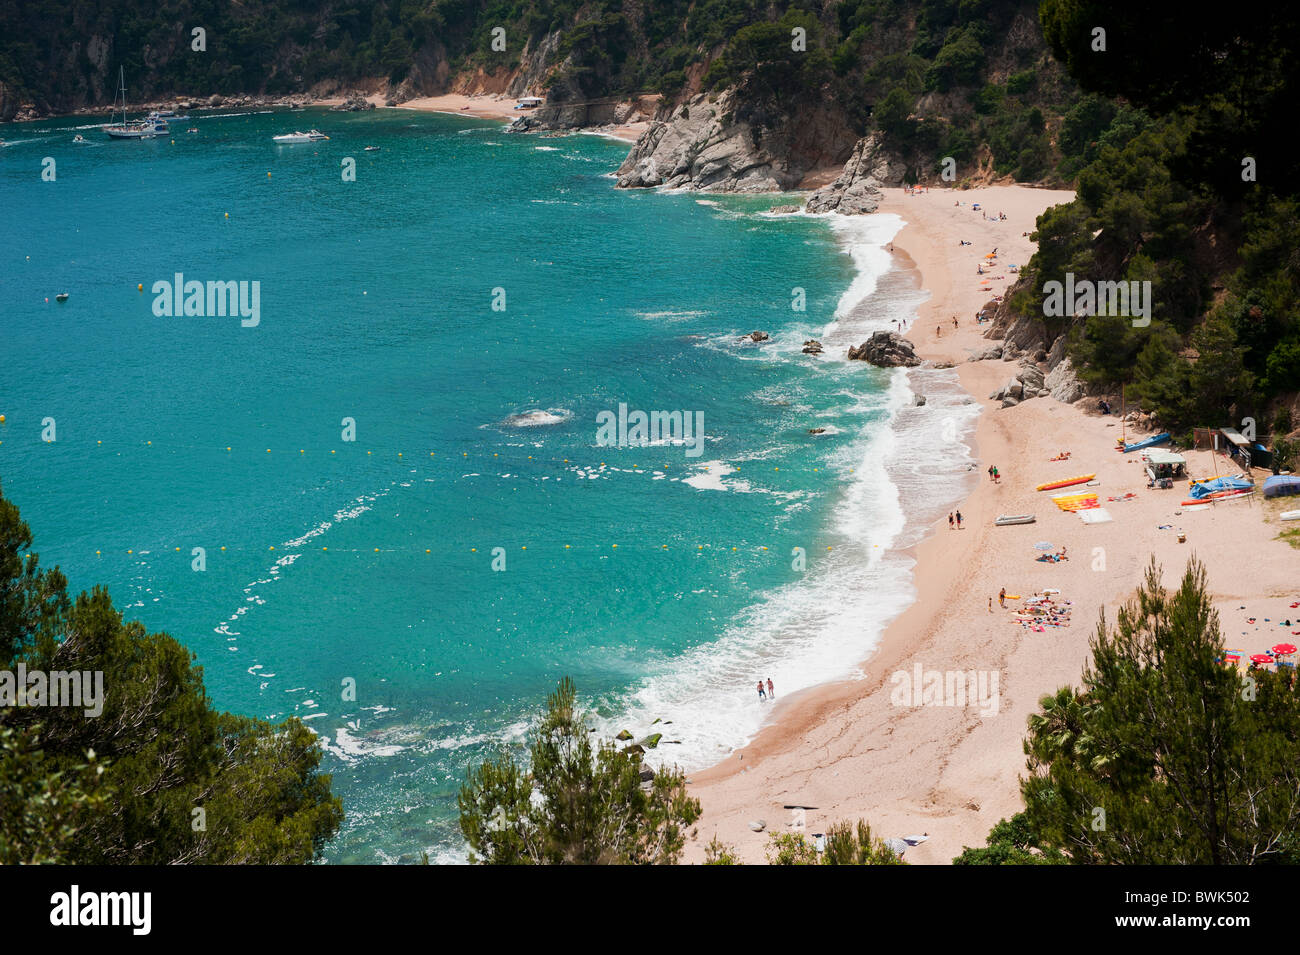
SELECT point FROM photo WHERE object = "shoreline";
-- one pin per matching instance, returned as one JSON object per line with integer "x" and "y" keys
{"x": 949, "y": 772}
{"x": 479, "y": 106}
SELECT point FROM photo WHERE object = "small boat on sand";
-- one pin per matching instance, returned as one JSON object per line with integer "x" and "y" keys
{"x": 1053, "y": 485}
{"x": 1146, "y": 442}
{"x": 1006, "y": 520}
{"x": 1217, "y": 496}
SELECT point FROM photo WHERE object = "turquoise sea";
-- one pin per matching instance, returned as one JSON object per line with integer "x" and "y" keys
{"x": 665, "y": 584}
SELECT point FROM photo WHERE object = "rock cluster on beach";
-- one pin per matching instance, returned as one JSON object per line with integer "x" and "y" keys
{"x": 355, "y": 103}
{"x": 886, "y": 350}
{"x": 857, "y": 189}
{"x": 1041, "y": 370}
{"x": 812, "y": 347}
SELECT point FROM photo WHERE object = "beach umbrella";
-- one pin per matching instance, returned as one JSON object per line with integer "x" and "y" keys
{"x": 984, "y": 281}
{"x": 898, "y": 845}
{"x": 991, "y": 255}
{"x": 1284, "y": 649}
{"x": 1261, "y": 658}
{"x": 1043, "y": 545}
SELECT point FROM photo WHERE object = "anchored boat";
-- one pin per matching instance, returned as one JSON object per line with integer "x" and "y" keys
{"x": 311, "y": 136}
{"x": 151, "y": 127}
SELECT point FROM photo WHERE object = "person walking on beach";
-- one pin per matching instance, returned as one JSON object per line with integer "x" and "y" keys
{"x": 771, "y": 690}
{"x": 997, "y": 477}
{"x": 990, "y": 472}
{"x": 1002, "y": 599}
{"x": 763, "y": 696}
{"x": 959, "y": 520}
{"x": 950, "y": 520}
{"x": 938, "y": 332}
{"x": 990, "y": 605}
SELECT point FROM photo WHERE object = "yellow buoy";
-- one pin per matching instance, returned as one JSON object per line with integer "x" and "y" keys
{"x": 227, "y": 215}
{"x": 2, "y": 419}
{"x": 140, "y": 287}
{"x": 268, "y": 175}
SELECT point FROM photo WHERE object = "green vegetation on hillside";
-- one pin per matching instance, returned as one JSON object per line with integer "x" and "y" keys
{"x": 942, "y": 78}
{"x": 158, "y": 777}
{"x": 1184, "y": 180}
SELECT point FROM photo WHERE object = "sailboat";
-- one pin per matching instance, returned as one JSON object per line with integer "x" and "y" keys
{"x": 148, "y": 128}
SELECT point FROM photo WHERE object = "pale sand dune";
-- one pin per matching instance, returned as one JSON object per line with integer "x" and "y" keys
{"x": 946, "y": 771}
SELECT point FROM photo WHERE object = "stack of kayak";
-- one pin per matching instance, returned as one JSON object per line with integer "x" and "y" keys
{"x": 1074, "y": 502}
{"x": 1205, "y": 492}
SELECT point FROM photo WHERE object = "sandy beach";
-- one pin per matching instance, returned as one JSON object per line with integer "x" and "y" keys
{"x": 952, "y": 772}
{"x": 485, "y": 106}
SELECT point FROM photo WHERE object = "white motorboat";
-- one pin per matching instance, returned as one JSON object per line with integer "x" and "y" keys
{"x": 313, "y": 136}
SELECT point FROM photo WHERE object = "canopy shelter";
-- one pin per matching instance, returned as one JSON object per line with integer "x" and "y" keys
{"x": 1164, "y": 464}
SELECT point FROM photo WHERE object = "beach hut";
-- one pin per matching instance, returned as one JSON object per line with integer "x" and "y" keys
{"x": 1249, "y": 454}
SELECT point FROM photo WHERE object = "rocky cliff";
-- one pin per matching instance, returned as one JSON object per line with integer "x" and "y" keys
{"x": 857, "y": 189}
{"x": 703, "y": 144}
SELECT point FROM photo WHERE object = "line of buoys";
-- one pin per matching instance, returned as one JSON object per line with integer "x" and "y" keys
{"x": 475, "y": 550}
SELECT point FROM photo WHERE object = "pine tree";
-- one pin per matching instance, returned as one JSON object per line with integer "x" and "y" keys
{"x": 180, "y": 781}
{"x": 576, "y": 803}
{"x": 1167, "y": 757}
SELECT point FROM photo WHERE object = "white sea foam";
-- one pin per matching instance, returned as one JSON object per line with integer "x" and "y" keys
{"x": 899, "y": 474}
{"x": 536, "y": 418}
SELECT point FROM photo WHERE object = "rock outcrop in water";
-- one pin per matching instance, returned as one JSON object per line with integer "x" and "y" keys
{"x": 355, "y": 103}
{"x": 886, "y": 350}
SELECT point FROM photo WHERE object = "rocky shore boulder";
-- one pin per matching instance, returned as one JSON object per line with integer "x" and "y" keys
{"x": 757, "y": 337}
{"x": 355, "y": 103}
{"x": 886, "y": 350}
{"x": 718, "y": 144}
{"x": 1063, "y": 384}
{"x": 812, "y": 347}
{"x": 696, "y": 148}
{"x": 857, "y": 189}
